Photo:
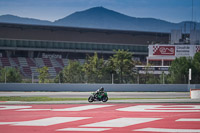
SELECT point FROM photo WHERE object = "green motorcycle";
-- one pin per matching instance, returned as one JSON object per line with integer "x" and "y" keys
{"x": 103, "y": 96}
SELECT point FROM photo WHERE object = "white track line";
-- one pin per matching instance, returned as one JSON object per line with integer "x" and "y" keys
{"x": 169, "y": 130}
{"x": 7, "y": 123}
{"x": 45, "y": 121}
{"x": 189, "y": 119}
{"x": 161, "y": 108}
{"x": 121, "y": 122}
{"x": 81, "y": 108}
{"x": 6, "y": 107}
{"x": 83, "y": 129}
{"x": 33, "y": 110}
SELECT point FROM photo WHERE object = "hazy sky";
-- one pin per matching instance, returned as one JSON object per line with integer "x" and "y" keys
{"x": 170, "y": 10}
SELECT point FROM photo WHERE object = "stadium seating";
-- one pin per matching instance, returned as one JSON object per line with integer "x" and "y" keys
{"x": 58, "y": 69}
{"x": 65, "y": 62}
{"x": 30, "y": 62}
{"x": 52, "y": 72}
{"x": 26, "y": 71}
{"x": 39, "y": 62}
{"x": 22, "y": 61}
{"x": 47, "y": 62}
{"x": 29, "y": 66}
{"x": 14, "y": 62}
{"x": 60, "y": 61}
{"x": 55, "y": 63}
{"x": 34, "y": 71}
{"x": 5, "y": 62}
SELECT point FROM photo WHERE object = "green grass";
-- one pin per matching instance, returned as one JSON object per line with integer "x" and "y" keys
{"x": 68, "y": 99}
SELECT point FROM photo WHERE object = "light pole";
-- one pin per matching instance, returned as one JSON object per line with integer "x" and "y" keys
{"x": 190, "y": 75}
{"x": 112, "y": 78}
{"x": 189, "y": 78}
{"x": 163, "y": 77}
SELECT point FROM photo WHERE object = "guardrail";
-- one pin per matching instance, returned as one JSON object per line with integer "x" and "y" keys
{"x": 93, "y": 87}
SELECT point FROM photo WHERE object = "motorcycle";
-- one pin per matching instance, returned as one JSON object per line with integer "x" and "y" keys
{"x": 98, "y": 97}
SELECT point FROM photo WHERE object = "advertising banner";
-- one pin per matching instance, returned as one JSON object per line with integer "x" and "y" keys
{"x": 164, "y": 50}
{"x": 173, "y": 50}
{"x": 184, "y": 50}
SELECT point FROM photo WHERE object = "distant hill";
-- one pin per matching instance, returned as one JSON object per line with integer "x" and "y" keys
{"x": 102, "y": 18}
{"x": 20, "y": 20}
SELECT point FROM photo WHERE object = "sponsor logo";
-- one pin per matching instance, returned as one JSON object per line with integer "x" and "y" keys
{"x": 164, "y": 50}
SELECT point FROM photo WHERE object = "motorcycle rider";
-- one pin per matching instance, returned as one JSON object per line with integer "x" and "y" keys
{"x": 99, "y": 92}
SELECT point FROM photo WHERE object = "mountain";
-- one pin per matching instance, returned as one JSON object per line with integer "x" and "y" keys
{"x": 95, "y": 17}
{"x": 102, "y": 18}
{"x": 20, "y": 20}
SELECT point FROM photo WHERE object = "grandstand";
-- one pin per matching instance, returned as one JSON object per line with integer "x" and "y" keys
{"x": 28, "y": 47}
{"x": 27, "y": 66}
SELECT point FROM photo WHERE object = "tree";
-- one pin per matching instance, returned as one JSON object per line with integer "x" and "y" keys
{"x": 94, "y": 69}
{"x": 43, "y": 74}
{"x": 73, "y": 72}
{"x": 12, "y": 75}
{"x": 110, "y": 70}
{"x": 122, "y": 64}
{"x": 196, "y": 68}
{"x": 179, "y": 70}
{"x": 59, "y": 78}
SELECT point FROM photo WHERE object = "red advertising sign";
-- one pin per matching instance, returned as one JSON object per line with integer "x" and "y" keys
{"x": 164, "y": 50}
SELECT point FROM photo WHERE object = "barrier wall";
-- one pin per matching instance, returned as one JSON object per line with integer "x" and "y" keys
{"x": 93, "y": 87}
{"x": 195, "y": 93}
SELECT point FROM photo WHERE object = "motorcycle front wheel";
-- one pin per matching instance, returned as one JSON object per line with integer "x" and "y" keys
{"x": 105, "y": 99}
{"x": 91, "y": 99}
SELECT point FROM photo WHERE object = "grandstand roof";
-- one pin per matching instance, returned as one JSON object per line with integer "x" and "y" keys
{"x": 74, "y": 34}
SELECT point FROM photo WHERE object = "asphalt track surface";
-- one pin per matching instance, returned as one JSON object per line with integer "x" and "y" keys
{"x": 176, "y": 113}
{"x": 155, "y": 97}
{"x": 94, "y": 118}
{"x": 111, "y": 94}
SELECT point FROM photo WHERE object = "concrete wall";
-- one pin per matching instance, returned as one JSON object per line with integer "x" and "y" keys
{"x": 93, "y": 87}
{"x": 195, "y": 93}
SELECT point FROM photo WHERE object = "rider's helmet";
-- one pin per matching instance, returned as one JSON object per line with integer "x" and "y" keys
{"x": 101, "y": 89}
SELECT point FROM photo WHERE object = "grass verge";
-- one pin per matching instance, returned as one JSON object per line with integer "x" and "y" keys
{"x": 68, "y": 99}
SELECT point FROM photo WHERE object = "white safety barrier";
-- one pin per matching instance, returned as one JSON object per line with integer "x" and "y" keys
{"x": 195, "y": 93}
